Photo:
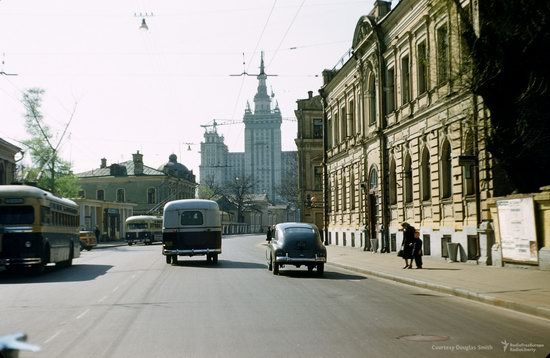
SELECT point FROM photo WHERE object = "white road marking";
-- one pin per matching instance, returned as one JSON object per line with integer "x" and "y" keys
{"x": 102, "y": 299}
{"x": 82, "y": 314}
{"x": 53, "y": 337}
{"x": 116, "y": 288}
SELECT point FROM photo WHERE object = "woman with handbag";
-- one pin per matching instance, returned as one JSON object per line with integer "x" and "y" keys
{"x": 408, "y": 244}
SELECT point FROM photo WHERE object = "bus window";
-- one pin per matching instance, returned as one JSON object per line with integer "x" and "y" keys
{"x": 191, "y": 218}
{"x": 10, "y": 215}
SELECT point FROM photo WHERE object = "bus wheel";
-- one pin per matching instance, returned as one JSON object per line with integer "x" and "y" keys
{"x": 168, "y": 259}
{"x": 215, "y": 258}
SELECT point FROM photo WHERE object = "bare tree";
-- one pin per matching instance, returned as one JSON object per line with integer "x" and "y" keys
{"x": 241, "y": 192}
{"x": 209, "y": 189}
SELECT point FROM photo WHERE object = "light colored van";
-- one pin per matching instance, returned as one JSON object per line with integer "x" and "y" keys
{"x": 191, "y": 227}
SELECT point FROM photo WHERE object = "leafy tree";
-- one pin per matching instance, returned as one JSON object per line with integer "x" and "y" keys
{"x": 510, "y": 72}
{"x": 59, "y": 178}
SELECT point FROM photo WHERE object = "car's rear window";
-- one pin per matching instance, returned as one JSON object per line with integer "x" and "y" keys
{"x": 296, "y": 234}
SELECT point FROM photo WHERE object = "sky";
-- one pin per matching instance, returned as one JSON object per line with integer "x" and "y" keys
{"x": 127, "y": 89}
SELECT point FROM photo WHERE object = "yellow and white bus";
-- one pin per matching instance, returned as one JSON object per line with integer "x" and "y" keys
{"x": 37, "y": 228}
{"x": 143, "y": 229}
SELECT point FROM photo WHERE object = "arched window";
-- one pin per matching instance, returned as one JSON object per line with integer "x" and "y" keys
{"x": 469, "y": 149}
{"x": 372, "y": 100}
{"x": 393, "y": 183}
{"x": 100, "y": 194}
{"x": 425, "y": 175}
{"x": 344, "y": 192}
{"x": 336, "y": 194}
{"x": 408, "y": 179}
{"x": 373, "y": 179}
{"x": 352, "y": 190}
{"x": 446, "y": 171}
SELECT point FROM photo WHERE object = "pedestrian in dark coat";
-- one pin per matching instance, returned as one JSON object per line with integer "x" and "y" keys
{"x": 269, "y": 233}
{"x": 408, "y": 244}
{"x": 417, "y": 251}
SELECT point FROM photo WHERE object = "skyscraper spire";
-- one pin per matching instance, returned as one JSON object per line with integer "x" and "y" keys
{"x": 262, "y": 101}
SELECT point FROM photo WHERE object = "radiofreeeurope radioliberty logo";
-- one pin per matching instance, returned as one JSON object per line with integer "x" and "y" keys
{"x": 521, "y": 347}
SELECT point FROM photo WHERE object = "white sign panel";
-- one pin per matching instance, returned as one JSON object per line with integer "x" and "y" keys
{"x": 516, "y": 218}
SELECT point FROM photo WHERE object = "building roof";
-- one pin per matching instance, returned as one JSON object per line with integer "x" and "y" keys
{"x": 126, "y": 169}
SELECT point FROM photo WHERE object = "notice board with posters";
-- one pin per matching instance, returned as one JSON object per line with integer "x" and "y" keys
{"x": 518, "y": 235}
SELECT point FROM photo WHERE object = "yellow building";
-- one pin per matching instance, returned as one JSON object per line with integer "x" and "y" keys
{"x": 405, "y": 138}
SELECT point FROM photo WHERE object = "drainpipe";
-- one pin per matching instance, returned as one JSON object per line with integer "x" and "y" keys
{"x": 325, "y": 167}
{"x": 382, "y": 138}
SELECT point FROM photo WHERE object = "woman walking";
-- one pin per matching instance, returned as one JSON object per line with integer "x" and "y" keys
{"x": 408, "y": 244}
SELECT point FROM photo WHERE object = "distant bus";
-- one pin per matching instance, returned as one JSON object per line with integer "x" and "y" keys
{"x": 143, "y": 229}
{"x": 191, "y": 227}
{"x": 37, "y": 228}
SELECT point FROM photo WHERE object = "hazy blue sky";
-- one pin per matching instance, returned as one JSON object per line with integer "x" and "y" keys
{"x": 151, "y": 90}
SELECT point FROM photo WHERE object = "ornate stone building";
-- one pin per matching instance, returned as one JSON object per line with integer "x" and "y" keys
{"x": 310, "y": 159}
{"x": 405, "y": 139}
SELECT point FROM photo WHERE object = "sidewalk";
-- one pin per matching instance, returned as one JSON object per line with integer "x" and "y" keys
{"x": 519, "y": 289}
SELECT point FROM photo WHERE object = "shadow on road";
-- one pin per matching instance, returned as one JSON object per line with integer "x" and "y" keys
{"x": 328, "y": 275}
{"x": 74, "y": 273}
{"x": 222, "y": 264}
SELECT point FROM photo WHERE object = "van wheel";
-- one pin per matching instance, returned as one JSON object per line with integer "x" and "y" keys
{"x": 168, "y": 259}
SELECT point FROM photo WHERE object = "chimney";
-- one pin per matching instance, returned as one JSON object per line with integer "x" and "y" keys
{"x": 310, "y": 94}
{"x": 138, "y": 163}
{"x": 103, "y": 163}
{"x": 381, "y": 8}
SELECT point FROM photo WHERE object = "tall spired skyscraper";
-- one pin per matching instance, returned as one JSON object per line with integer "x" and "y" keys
{"x": 263, "y": 160}
{"x": 262, "y": 136}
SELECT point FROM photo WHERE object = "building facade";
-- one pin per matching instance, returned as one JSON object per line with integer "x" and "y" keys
{"x": 134, "y": 182}
{"x": 404, "y": 137}
{"x": 263, "y": 161}
{"x": 310, "y": 159}
{"x": 7, "y": 162}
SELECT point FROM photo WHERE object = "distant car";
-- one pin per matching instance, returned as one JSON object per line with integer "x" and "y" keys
{"x": 296, "y": 244}
{"x": 87, "y": 240}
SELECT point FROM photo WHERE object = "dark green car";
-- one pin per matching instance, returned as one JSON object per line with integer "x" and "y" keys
{"x": 296, "y": 244}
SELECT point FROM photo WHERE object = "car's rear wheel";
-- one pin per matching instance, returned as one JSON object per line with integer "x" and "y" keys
{"x": 275, "y": 268}
{"x": 320, "y": 269}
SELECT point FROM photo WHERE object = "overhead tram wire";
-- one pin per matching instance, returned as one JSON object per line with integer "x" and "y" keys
{"x": 286, "y": 32}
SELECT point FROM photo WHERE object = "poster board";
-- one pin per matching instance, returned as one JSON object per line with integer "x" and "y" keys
{"x": 518, "y": 235}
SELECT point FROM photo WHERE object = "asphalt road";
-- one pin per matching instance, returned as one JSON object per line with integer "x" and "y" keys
{"x": 127, "y": 302}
